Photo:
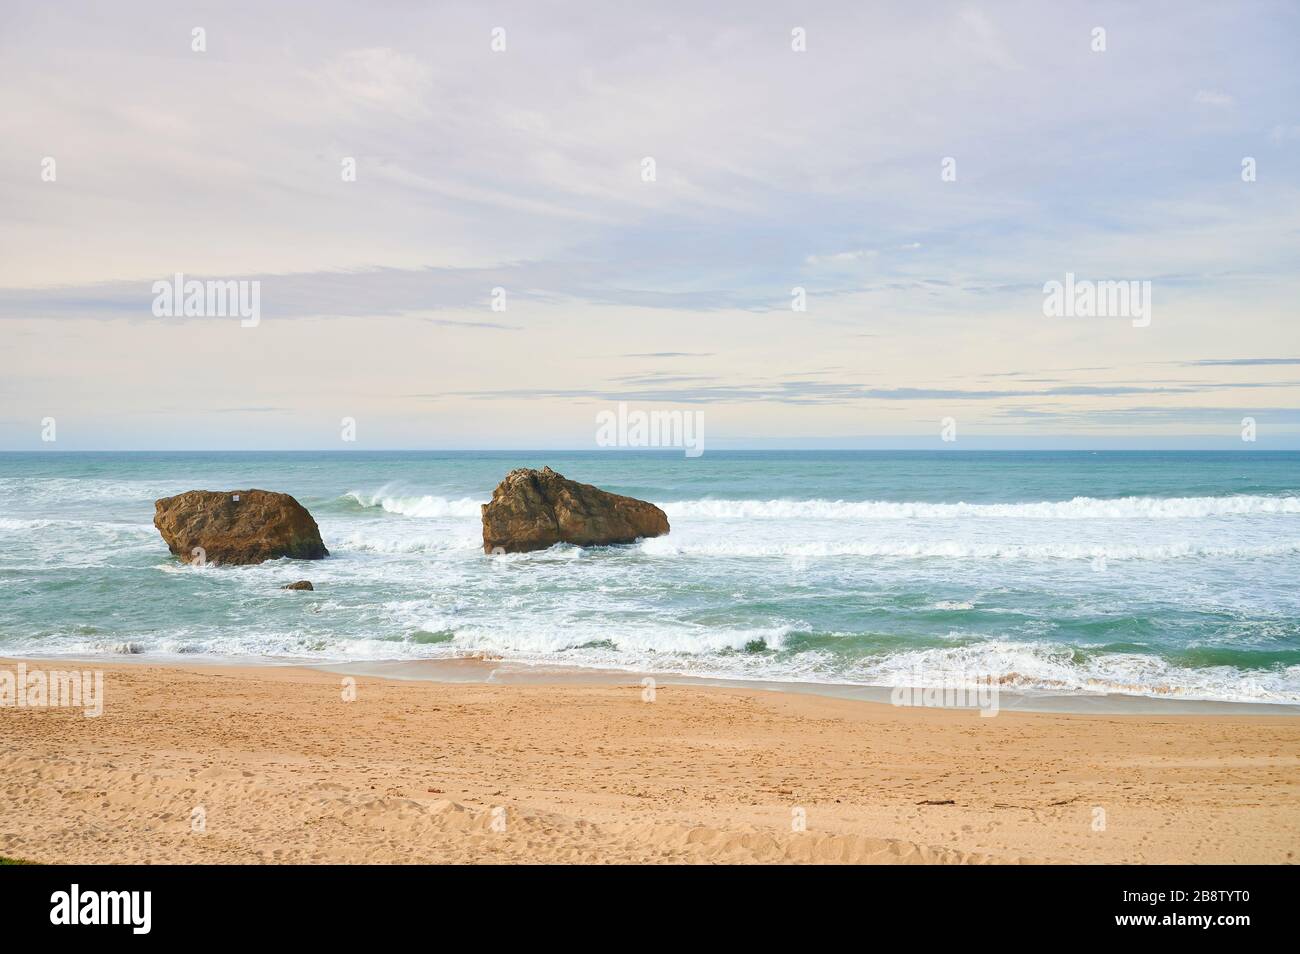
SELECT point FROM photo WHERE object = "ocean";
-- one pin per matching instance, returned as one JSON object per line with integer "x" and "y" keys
{"x": 1167, "y": 574}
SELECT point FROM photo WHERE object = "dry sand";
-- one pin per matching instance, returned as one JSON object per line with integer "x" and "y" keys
{"x": 284, "y": 770}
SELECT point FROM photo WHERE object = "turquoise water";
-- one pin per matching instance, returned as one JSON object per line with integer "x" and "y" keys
{"x": 1170, "y": 574}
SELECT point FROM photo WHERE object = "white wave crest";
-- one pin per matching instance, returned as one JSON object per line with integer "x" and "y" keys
{"x": 422, "y": 506}
{"x": 1044, "y": 668}
{"x": 1080, "y": 508}
{"x": 959, "y": 550}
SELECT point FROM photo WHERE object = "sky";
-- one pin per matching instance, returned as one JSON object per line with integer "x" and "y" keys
{"x": 920, "y": 171}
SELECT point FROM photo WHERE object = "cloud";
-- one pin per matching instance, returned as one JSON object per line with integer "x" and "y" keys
{"x": 842, "y": 258}
{"x": 378, "y": 78}
{"x": 1223, "y": 419}
{"x": 827, "y": 392}
{"x": 385, "y": 291}
{"x": 1239, "y": 362}
{"x": 669, "y": 354}
{"x": 1211, "y": 97}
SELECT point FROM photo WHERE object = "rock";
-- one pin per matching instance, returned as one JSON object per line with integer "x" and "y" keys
{"x": 535, "y": 509}
{"x": 300, "y": 585}
{"x": 237, "y": 526}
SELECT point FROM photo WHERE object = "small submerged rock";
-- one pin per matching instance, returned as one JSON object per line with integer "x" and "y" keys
{"x": 536, "y": 509}
{"x": 300, "y": 585}
{"x": 237, "y": 527}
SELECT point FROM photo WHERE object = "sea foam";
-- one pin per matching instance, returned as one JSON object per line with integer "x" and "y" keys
{"x": 1079, "y": 508}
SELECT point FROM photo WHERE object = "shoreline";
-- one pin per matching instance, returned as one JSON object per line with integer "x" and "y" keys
{"x": 477, "y": 669}
{"x": 507, "y": 672}
{"x": 412, "y": 770}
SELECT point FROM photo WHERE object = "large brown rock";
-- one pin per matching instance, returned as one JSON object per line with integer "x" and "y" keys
{"x": 237, "y": 526}
{"x": 535, "y": 509}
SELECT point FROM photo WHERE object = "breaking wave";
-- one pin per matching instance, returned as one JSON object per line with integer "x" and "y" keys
{"x": 422, "y": 506}
{"x": 1080, "y": 508}
{"x": 957, "y": 550}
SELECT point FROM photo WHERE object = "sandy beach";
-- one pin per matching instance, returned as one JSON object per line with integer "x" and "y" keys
{"x": 216, "y": 764}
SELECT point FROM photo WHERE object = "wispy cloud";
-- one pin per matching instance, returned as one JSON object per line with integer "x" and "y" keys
{"x": 669, "y": 354}
{"x": 1240, "y": 362}
{"x": 1213, "y": 97}
{"x": 828, "y": 392}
